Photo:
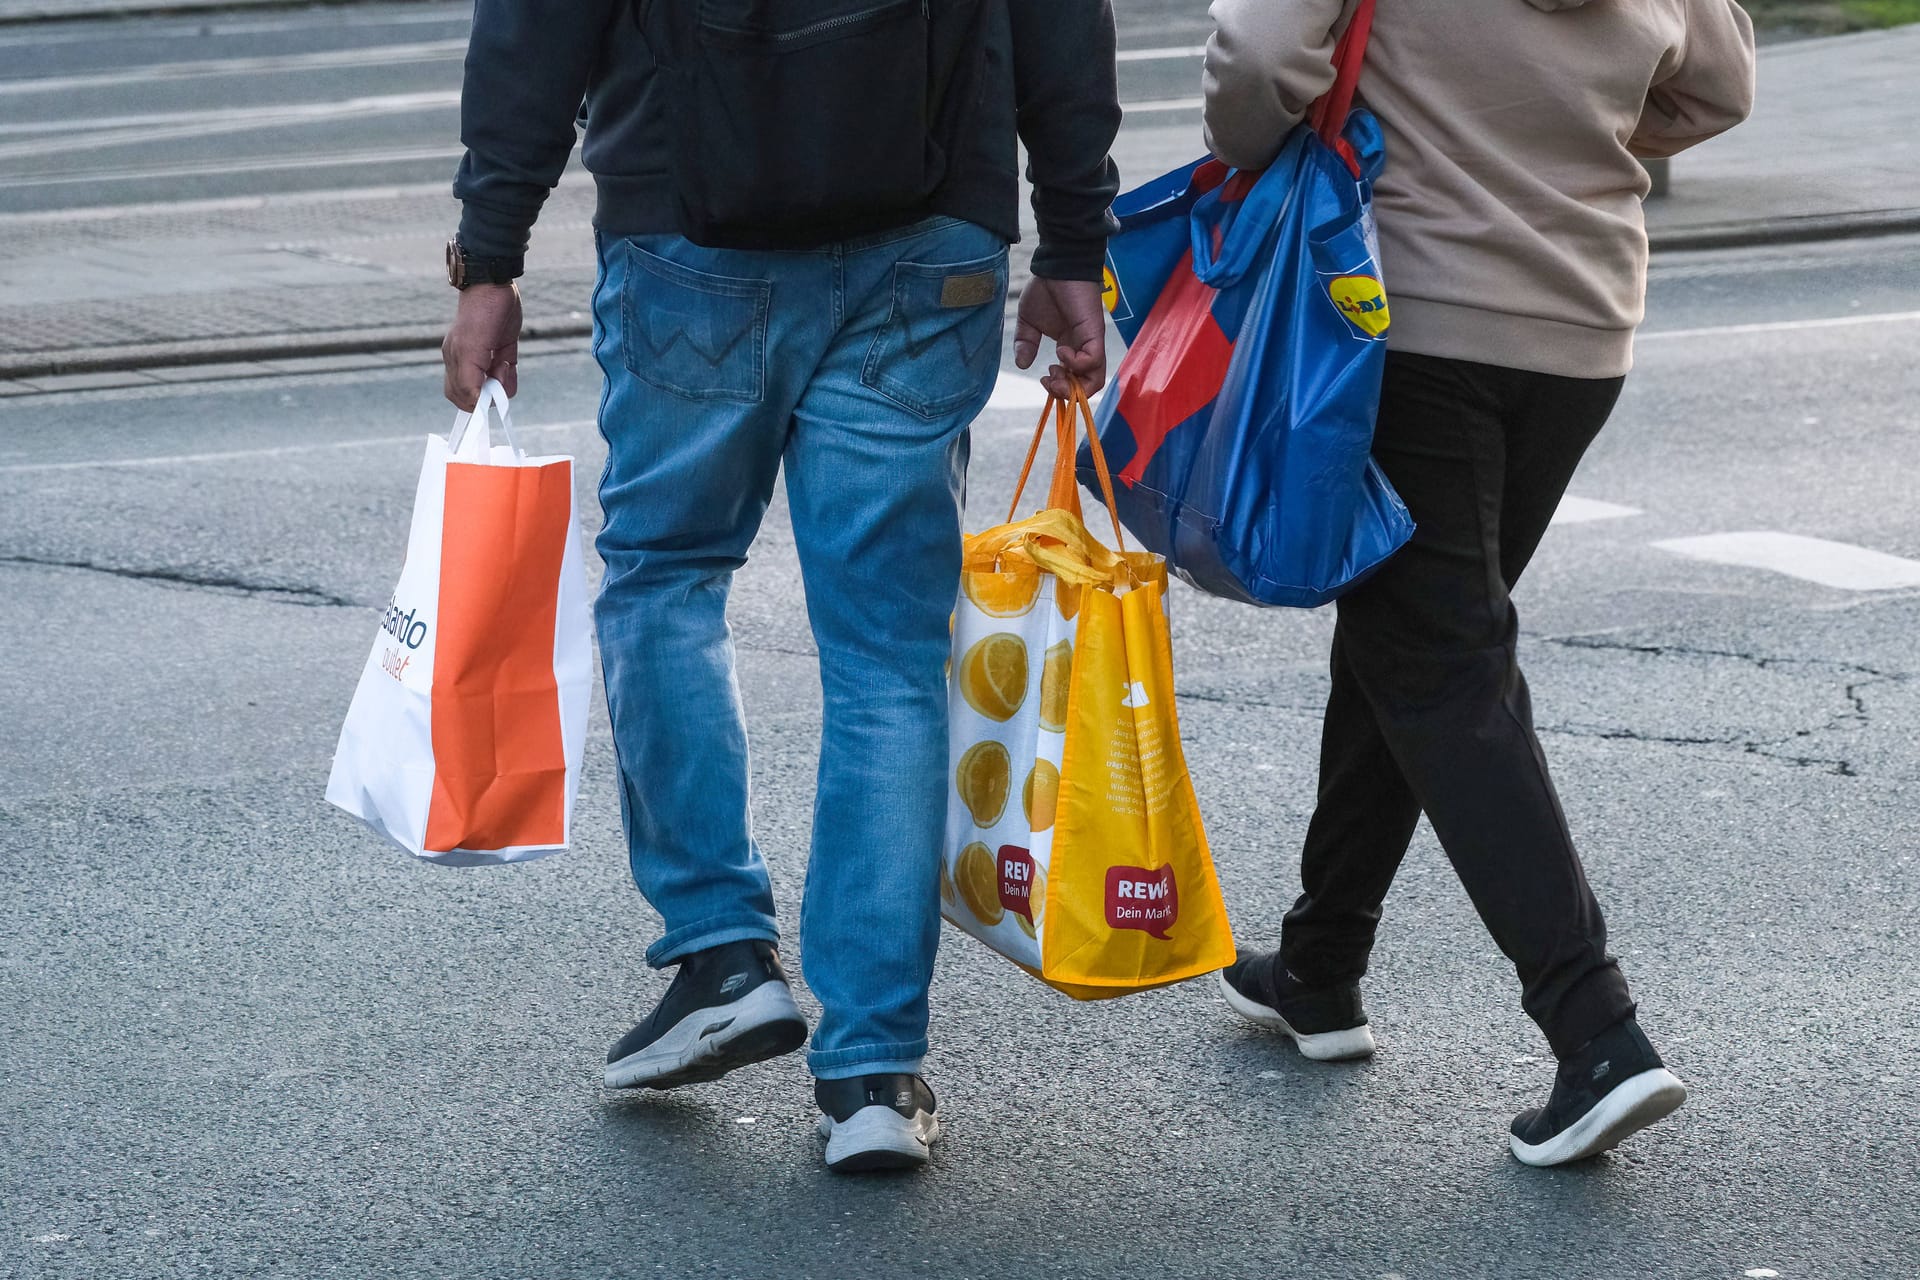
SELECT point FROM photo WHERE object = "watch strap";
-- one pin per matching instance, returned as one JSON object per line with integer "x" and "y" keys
{"x": 465, "y": 269}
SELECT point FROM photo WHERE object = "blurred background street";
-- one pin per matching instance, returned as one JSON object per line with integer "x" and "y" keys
{"x": 243, "y": 1038}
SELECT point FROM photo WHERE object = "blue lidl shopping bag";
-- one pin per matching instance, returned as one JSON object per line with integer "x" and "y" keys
{"x": 1240, "y": 423}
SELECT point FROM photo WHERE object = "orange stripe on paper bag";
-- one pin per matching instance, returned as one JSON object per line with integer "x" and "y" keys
{"x": 500, "y": 766}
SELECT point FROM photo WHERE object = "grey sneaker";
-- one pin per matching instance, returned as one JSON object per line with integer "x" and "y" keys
{"x": 876, "y": 1122}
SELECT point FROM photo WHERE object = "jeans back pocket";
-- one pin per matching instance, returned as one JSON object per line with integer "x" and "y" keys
{"x": 695, "y": 334}
{"x": 941, "y": 342}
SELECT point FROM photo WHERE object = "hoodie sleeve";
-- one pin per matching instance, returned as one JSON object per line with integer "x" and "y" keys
{"x": 1067, "y": 99}
{"x": 1266, "y": 63}
{"x": 528, "y": 63}
{"x": 1704, "y": 87}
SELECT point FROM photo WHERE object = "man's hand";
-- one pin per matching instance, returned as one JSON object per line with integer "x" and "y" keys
{"x": 482, "y": 342}
{"x": 1070, "y": 312}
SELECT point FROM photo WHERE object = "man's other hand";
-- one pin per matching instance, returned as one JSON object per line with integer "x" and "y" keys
{"x": 482, "y": 342}
{"x": 1071, "y": 313}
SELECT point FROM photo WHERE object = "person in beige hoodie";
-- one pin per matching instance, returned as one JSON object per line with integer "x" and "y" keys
{"x": 1514, "y": 255}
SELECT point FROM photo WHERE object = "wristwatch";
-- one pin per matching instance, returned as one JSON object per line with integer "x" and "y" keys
{"x": 463, "y": 269}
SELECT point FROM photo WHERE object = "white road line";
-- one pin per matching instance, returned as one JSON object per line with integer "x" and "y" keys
{"x": 1830, "y": 564}
{"x": 371, "y": 56}
{"x": 1574, "y": 510}
{"x": 1017, "y": 391}
{"x": 264, "y": 200}
{"x": 97, "y": 134}
{"x": 1782, "y": 326}
{"x": 1163, "y": 54}
{"x": 280, "y": 451}
{"x": 1011, "y": 391}
{"x": 305, "y": 161}
{"x": 201, "y": 31}
{"x": 1153, "y": 105}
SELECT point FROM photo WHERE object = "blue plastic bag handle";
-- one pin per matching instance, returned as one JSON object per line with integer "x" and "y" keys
{"x": 1230, "y": 235}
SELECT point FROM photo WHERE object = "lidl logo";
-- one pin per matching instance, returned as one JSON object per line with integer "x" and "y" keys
{"x": 1109, "y": 289}
{"x": 1362, "y": 301}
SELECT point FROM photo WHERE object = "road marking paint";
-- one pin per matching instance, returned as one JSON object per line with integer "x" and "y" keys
{"x": 200, "y": 32}
{"x": 307, "y": 161}
{"x": 116, "y": 131}
{"x": 1166, "y": 53}
{"x": 1017, "y": 391}
{"x": 265, "y": 200}
{"x": 1010, "y": 391}
{"x": 1782, "y": 326}
{"x": 278, "y": 451}
{"x": 1817, "y": 560}
{"x": 1574, "y": 510}
{"x": 374, "y": 56}
{"x": 1153, "y": 105}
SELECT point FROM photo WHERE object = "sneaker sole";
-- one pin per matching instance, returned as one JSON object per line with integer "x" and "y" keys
{"x": 1636, "y": 1103}
{"x": 1327, "y": 1046}
{"x": 878, "y": 1138}
{"x": 708, "y": 1043}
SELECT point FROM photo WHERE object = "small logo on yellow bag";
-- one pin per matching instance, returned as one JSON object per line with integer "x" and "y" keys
{"x": 1143, "y": 898}
{"x": 1362, "y": 301}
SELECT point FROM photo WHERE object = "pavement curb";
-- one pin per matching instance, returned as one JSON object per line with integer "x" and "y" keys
{"x": 1760, "y": 232}
{"x": 384, "y": 338}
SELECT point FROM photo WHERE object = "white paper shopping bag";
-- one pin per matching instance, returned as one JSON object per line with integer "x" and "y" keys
{"x": 464, "y": 738}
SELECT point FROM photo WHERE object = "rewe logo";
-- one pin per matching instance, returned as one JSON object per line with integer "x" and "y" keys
{"x": 1017, "y": 874}
{"x": 1362, "y": 301}
{"x": 1147, "y": 899}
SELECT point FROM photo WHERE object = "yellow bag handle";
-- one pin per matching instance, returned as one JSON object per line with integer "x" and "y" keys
{"x": 1064, "y": 492}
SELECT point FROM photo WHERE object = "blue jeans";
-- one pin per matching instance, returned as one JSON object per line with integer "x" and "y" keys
{"x": 858, "y": 367}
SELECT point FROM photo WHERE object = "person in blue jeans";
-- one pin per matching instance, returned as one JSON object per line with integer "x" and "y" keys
{"x": 855, "y": 360}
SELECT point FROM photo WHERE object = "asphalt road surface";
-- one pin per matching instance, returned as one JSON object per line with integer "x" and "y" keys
{"x": 244, "y": 1038}
{"x": 241, "y": 1037}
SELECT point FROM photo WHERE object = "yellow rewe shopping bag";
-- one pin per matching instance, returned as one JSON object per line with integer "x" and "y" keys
{"x": 1074, "y": 843}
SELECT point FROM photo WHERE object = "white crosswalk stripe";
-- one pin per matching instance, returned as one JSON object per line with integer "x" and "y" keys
{"x": 1574, "y": 510}
{"x": 1830, "y": 564}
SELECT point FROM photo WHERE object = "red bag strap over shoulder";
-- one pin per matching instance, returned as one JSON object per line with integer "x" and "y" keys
{"x": 1330, "y": 112}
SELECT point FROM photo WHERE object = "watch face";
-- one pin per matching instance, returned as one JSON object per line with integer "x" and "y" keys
{"x": 456, "y": 265}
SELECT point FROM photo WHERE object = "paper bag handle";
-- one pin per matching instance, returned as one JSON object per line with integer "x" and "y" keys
{"x": 466, "y": 443}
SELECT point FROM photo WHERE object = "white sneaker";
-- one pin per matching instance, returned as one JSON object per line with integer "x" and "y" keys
{"x": 876, "y": 1122}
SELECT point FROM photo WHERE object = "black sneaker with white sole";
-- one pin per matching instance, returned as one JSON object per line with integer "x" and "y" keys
{"x": 1327, "y": 1023}
{"x": 728, "y": 1006}
{"x": 876, "y": 1122}
{"x": 1612, "y": 1087}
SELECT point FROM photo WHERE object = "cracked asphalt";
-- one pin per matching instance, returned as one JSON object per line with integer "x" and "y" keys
{"x": 243, "y": 1038}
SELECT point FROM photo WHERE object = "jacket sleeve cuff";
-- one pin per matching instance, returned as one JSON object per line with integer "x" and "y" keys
{"x": 492, "y": 233}
{"x": 1070, "y": 259}
{"x": 496, "y": 213}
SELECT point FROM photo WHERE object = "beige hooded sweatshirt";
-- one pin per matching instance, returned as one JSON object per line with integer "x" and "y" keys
{"x": 1509, "y": 208}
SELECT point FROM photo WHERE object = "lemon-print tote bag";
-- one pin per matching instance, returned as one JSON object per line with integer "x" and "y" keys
{"x": 1074, "y": 843}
